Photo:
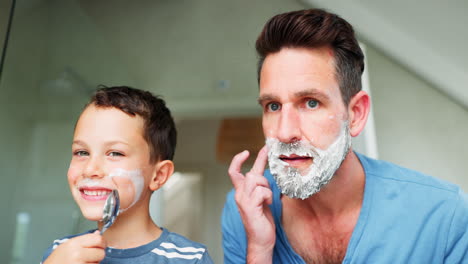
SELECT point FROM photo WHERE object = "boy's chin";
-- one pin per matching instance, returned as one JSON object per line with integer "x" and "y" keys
{"x": 92, "y": 214}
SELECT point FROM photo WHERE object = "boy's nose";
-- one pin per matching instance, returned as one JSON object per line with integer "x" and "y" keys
{"x": 289, "y": 127}
{"x": 93, "y": 169}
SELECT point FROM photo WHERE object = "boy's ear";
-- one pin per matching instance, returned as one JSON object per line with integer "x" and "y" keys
{"x": 358, "y": 110}
{"x": 163, "y": 171}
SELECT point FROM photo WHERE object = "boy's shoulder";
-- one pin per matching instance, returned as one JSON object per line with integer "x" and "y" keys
{"x": 58, "y": 242}
{"x": 173, "y": 244}
{"x": 170, "y": 247}
{"x": 180, "y": 241}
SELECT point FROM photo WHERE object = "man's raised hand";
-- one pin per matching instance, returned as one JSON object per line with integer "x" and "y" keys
{"x": 253, "y": 195}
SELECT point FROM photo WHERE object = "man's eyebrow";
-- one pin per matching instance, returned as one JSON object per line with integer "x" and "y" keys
{"x": 314, "y": 93}
{"x": 266, "y": 97}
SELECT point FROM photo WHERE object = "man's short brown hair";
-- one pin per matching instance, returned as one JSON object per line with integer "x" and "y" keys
{"x": 315, "y": 28}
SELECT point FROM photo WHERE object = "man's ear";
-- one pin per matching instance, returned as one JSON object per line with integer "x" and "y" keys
{"x": 162, "y": 172}
{"x": 358, "y": 110}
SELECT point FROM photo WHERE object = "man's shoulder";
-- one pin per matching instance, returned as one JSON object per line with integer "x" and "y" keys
{"x": 404, "y": 191}
{"x": 391, "y": 173}
{"x": 435, "y": 213}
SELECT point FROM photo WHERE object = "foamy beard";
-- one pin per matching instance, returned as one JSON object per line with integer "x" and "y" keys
{"x": 303, "y": 184}
{"x": 134, "y": 176}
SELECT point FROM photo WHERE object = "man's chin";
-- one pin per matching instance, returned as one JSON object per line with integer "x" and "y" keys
{"x": 301, "y": 195}
{"x": 299, "y": 184}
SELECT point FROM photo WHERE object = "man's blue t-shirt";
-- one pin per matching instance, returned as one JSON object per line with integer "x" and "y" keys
{"x": 406, "y": 217}
{"x": 169, "y": 248}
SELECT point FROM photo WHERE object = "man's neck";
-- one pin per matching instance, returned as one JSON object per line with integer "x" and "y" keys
{"x": 343, "y": 194}
{"x": 329, "y": 216}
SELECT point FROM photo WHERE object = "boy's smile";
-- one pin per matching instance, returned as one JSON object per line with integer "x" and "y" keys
{"x": 94, "y": 193}
{"x": 109, "y": 152}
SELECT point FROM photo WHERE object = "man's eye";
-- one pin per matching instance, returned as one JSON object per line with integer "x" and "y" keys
{"x": 115, "y": 154}
{"x": 81, "y": 153}
{"x": 273, "y": 107}
{"x": 312, "y": 104}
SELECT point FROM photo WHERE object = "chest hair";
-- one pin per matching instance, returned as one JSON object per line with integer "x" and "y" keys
{"x": 319, "y": 242}
{"x": 327, "y": 248}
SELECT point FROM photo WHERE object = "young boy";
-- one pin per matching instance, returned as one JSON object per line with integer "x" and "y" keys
{"x": 125, "y": 140}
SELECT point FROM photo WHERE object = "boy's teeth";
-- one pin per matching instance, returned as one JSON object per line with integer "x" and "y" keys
{"x": 95, "y": 193}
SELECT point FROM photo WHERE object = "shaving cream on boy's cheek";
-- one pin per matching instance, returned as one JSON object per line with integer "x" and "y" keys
{"x": 130, "y": 184}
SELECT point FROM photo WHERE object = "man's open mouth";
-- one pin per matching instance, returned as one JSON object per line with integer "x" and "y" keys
{"x": 294, "y": 157}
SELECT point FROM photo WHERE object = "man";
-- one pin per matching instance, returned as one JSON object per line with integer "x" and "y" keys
{"x": 320, "y": 202}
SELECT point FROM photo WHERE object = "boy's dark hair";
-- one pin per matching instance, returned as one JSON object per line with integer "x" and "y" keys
{"x": 159, "y": 129}
{"x": 316, "y": 28}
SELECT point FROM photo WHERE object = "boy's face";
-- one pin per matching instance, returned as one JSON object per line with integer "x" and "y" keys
{"x": 109, "y": 152}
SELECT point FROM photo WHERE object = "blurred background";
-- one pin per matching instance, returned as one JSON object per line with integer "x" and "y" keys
{"x": 200, "y": 56}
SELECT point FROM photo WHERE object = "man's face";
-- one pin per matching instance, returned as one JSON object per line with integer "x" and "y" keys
{"x": 304, "y": 119}
{"x": 109, "y": 152}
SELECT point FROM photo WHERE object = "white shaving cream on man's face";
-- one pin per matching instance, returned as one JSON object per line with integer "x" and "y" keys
{"x": 303, "y": 184}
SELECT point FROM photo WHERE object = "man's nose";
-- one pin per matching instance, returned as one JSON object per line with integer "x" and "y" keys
{"x": 289, "y": 129}
{"x": 93, "y": 168}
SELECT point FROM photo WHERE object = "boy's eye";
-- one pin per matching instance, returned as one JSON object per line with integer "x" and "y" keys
{"x": 273, "y": 107}
{"x": 312, "y": 104}
{"x": 115, "y": 154}
{"x": 81, "y": 153}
